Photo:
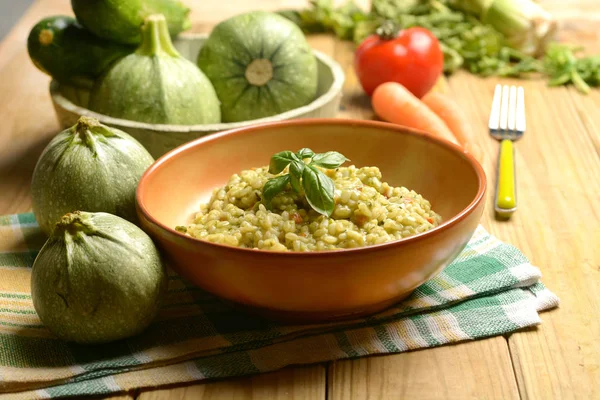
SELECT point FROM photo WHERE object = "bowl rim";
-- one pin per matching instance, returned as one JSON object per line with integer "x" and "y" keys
{"x": 172, "y": 155}
{"x": 333, "y": 91}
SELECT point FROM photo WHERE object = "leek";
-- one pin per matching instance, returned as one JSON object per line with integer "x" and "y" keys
{"x": 526, "y": 26}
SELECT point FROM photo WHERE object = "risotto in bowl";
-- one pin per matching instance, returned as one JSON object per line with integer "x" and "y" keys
{"x": 312, "y": 220}
{"x": 366, "y": 211}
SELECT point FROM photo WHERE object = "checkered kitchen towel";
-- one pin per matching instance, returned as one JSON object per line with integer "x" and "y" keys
{"x": 490, "y": 289}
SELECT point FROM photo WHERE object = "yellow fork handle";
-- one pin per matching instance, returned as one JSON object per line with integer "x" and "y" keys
{"x": 506, "y": 196}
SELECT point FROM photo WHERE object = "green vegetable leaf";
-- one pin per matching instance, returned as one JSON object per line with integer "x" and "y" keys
{"x": 323, "y": 16}
{"x": 296, "y": 169}
{"x": 319, "y": 190}
{"x": 305, "y": 153}
{"x": 329, "y": 160}
{"x": 281, "y": 160}
{"x": 273, "y": 187}
{"x": 563, "y": 67}
{"x": 296, "y": 185}
{"x": 579, "y": 82}
{"x": 307, "y": 180}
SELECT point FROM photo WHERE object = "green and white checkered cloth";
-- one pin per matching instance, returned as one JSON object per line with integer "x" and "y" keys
{"x": 490, "y": 289}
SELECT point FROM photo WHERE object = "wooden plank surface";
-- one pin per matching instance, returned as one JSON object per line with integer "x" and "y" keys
{"x": 556, "y": 226}
{"x": 473, "y": 370}
{"x": 26, "y": 109}
{"x": 570, "y": 229}
{"x": 559, "y": 185}
{"x": 300, "y": 383}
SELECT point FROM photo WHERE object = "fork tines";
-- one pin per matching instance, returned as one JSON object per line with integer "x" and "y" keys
{"x": 507, "y": 119}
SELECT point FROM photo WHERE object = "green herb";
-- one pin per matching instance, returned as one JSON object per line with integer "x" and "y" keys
{"x": 563, "y": 67}
{"x": 329, "y": 160}
{"x": 485, "y": 37}
{"x": 274, "y": 186}
{"x": 319, "y": 190}
{"x": 296, "y": 168}
{"x": 304, "y": 176}
{"x": 281, "y": 160}
{"x": 323, "y": 17}
{"x": 305, "y": 153}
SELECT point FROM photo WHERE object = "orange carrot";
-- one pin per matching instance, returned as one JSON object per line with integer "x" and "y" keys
{"x": 394, "y": 103}
{"x": 455, "y": 119}
{"x": 452, "y": 115}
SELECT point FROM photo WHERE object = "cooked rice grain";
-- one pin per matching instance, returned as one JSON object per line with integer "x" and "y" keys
{"x": 367, "y": 211}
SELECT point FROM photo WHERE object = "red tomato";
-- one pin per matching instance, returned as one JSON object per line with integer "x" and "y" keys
{"x": 413, "y": 58}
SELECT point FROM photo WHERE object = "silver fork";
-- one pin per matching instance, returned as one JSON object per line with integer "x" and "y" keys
{"x": 507, "y": 124}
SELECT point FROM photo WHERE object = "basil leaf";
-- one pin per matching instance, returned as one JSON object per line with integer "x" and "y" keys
{"x": 305, "y": 153}
{"x": 319, "y": 190}
{"x": 296, "y": 185}
{"x": 296, "y": 168}
{"x": 272, "y": 187}
{"x": 280, "y": 160}
{"x": 329, "y": 160}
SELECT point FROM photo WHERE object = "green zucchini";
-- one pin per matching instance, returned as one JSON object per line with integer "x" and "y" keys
{"x": 121, "y": 20}
{"x": 61, "y": 48}
{"x": 156, "y": 84}
{"x": 260, "y": 65}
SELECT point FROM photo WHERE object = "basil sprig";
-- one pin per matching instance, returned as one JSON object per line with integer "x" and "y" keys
{"x": 318, "y": 187}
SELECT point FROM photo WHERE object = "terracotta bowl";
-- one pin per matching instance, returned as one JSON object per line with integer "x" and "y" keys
{"x": 317, "y": 286}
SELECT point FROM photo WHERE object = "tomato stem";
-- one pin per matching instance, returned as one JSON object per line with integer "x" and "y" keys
{"x": 388, "y": 30}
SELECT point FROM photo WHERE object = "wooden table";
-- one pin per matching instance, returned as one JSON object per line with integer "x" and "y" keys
{"x": 557, "y": 226}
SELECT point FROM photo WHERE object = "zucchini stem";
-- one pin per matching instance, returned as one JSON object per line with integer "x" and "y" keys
{"x": 46, "y": 37}
{"x": 74, "y": 224}
{"x": 85, "y": 129}
{"x": 155, "y": 37}
{"x": 259, "y": 72}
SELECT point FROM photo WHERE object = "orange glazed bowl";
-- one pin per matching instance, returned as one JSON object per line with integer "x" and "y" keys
{"x": 324, "y": 285}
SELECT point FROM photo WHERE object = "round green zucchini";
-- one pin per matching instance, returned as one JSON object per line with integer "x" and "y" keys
{"x": 98, "y": 278}
{"x": 260, "y": 65}
{"x": 61, "y": 48}
{"x": 91, "y": 167}
{"x": 156, "y": 84}
{"x": 120, "y": 20}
